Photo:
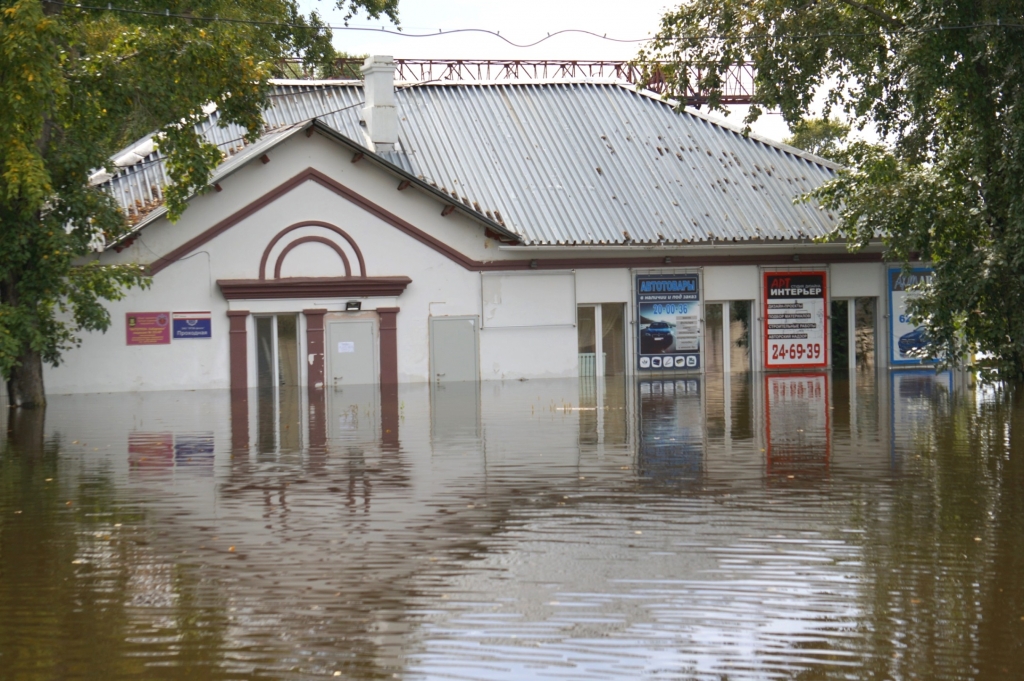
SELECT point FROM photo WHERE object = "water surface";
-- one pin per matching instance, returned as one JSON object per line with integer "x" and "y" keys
{"x": 764, "y": 527}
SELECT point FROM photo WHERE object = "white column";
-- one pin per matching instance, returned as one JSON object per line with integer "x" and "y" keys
{"x": 598, "y": 343}
{"x": 851, "y": 328}
{"x": 726, "y": 341}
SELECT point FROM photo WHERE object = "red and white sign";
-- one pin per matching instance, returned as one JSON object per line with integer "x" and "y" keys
{"x": 148, "y": 328}
{"x": 795, "y": 320}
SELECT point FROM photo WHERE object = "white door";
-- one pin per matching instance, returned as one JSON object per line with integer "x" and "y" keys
{"x": 453, "y": 349}
{"x": 352, "y": 352}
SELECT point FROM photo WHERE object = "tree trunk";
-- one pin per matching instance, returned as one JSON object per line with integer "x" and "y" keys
{"x": 25, "y": 430}
{"x": 25, "y": 386}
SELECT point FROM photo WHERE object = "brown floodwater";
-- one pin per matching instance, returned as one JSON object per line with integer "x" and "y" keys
{"x": 764, "y": 527}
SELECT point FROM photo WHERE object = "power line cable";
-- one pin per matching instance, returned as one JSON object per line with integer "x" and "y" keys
{"x": 306, "y": 27}
{"x": 497, "y": 34}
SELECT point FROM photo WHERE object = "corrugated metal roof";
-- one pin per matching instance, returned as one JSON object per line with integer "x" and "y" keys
{"x": 562, "y": 163}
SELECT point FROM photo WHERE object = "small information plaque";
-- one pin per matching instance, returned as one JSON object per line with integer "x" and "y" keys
{"x": 148, "y": 328}
{"x": 192, "y": 325}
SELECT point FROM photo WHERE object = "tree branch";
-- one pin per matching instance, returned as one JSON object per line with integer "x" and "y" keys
{"x": 874, "y": 11}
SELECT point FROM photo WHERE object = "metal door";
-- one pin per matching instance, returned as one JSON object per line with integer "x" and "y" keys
{"x": 352, "y": 349}
{"x": 453, "y": 349}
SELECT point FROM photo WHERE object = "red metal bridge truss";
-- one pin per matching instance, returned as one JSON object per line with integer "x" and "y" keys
{"x": 737, "y": 89}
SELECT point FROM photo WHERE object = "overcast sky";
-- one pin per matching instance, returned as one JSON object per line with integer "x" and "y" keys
{"x": 522, "y": 21}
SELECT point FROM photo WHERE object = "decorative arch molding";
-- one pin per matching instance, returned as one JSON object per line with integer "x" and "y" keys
{"x": 311, "y": 223}
{"x": 307, "y": 240}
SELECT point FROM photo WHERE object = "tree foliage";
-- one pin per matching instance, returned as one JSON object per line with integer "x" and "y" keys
{"x": 825, "y": 137}
{"x": 76, "y": 86}
{"x": 941, "y": 83}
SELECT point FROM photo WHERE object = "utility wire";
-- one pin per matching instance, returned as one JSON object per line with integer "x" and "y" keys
{"x": 497, "y": 34}
{"x": 305, "y": 27}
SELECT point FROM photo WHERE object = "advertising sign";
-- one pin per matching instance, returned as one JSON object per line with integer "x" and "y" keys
{"x": 148, "y": 328}
{"x": 797, "y": 421}
{"x": 668, "y": 321}
{"x": 906, "y": 340}
{"x": 795, "y": 320}
{"x": 191, "y": 325}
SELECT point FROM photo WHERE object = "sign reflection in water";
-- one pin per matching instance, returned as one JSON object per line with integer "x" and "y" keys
{"x": 914, "y": 395}
{"x": 420, "y": 537}
{"x": 797, "y": 428}
{"x": 671, "y": 428}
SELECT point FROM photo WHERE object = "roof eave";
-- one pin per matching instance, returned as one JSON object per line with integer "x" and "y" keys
{"x": 330, "y": 132}
{"x": 727, "y": 125}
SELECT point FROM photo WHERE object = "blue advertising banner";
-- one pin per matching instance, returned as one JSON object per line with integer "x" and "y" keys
{"x": 191, "y": 325}
{"x": 906, "y": 340}
{"x": 668, "y": 321}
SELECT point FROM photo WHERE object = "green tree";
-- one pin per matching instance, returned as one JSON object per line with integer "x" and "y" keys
{"x": 825, "y": 137}
{"x": 78, "y": 84}
{"x": 941, "y": 82}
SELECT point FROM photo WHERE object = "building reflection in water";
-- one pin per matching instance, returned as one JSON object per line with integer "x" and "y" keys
{"x": 422, "y": 530}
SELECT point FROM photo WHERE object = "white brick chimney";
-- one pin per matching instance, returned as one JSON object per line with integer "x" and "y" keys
{"x": 380, "y": 114}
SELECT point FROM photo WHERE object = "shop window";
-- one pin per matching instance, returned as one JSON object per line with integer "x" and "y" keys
{"x": 601, "y": 339}
{"x": 277, "y": 381}
{"x": 853, "y": 333}
{"x": 865, "y": 315}
{"x": 601, "y": 336}
{"x": 732, "y": 337}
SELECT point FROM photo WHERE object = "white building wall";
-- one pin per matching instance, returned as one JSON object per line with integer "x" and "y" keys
{"x": 858, "y": 280}
{"x": 524, "y": 345}
{"x": 106, "y": 363}
{"x": 604, "y": 286}
{"x": 739, "y": 282}
{"x": 439, "y": 285}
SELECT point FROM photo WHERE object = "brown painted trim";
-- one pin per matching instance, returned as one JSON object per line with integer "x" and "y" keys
{"x": 806, "y": 259}
{"x": 313, "y": 223}
{"x": 306, "y": 240}
{"x": 239, "y": 423}
{"x": 576, "y": 262}
{"x": 389, "y": 418}
{"x": 388, "y": 345}
{"x": 315, "y": 379}
{"x": 315, "y": 346}
{"x": 313, "y": 287}
{"x": 238, "y": 345}
{"x": 226, "y": 224}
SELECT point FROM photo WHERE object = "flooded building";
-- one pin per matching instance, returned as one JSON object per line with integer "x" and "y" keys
{"x": 446, "y": 232}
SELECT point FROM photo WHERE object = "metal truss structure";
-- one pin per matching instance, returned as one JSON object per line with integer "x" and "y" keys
{"x": 737, "y": 89}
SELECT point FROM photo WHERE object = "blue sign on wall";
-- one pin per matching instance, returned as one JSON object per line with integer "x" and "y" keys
{"x": 191, "y": 325}
{"x": 907, "y": 341}
{"x": 668, "y": 321}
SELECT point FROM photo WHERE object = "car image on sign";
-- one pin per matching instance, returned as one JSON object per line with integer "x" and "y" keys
{"x": 656, "y": 337}
{"x": 913, "y": 342}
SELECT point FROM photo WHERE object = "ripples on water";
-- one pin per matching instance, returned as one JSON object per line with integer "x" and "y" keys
{"x": 768, "y": 527}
